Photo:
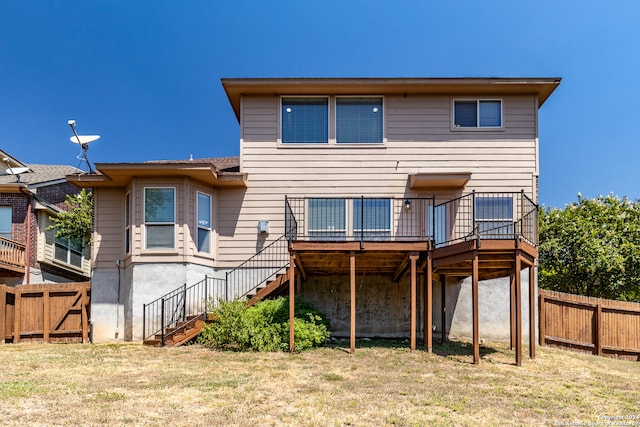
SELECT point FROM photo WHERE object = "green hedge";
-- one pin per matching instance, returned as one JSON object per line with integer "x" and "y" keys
{"x": 264, "y": 326}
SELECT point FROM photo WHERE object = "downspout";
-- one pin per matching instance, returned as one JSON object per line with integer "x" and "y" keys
{"x": 27, "y": 270}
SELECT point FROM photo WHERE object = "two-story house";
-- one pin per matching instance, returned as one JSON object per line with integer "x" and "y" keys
{"x": 396, "y": 205}
{"x": 30, "y": 253}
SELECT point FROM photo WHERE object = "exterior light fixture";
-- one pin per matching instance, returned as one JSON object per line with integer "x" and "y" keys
{"x": 407, "y": 205}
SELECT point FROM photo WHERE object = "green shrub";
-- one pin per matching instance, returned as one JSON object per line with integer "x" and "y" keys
{"x": 265, "y": 326}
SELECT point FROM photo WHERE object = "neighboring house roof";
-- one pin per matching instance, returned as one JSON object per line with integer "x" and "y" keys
{"x": 39, "y": 175}
{"x": 475, "y": 86}
{"x": 217, "y": 171}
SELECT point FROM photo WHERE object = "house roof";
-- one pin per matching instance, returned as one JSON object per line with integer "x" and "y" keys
{"x": 217, "y": 172}
{"x": 463, "y": 86}
{"x": 39, "y": 175}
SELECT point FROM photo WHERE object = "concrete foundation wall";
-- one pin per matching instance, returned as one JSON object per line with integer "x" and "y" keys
{"x": 383, "y": 307}
{"x": 120, "y": 317}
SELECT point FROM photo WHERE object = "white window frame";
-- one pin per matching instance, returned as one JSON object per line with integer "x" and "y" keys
{"x": 199, "y": 226}
{"x": 477, "y": 127}
{"x": 374, "y": 233}
{"x": 496, "y": 224}
{"x": 144, "y": 220}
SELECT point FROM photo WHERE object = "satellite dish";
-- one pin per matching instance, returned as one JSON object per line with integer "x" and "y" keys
{"x": 84, "y": 139}
{"x": 16, "y": 171}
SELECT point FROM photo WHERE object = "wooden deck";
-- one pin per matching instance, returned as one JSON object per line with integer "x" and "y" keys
{"x": 12, "y": 258}
{"x": 478, "y": 259}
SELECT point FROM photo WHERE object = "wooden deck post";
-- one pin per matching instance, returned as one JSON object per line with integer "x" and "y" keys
{"x": 512, "y": 310}
{"x": 518, "y": 311}
{"x": 414, "y": 258}
{"x": 3, "y": 313}
{"x": 428, "y": 305}
{"x": 292, "y": 305}
{"x": 532, "y": 313}
{"x": 474, "y": 297}
{"x": 352, "y": 274}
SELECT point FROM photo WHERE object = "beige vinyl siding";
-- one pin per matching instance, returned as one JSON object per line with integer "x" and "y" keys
{"x": 418, "y": 139}
{"x": 109, "y": 241}
{"x": 108, "y": 235}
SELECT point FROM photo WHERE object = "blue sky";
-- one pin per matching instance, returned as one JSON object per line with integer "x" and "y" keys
{"x": 145, "y": 75}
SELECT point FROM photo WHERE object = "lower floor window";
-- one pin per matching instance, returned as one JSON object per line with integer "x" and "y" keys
{"x": 69, "y": 251}
{"x": 494, "y": 216}
{"x": 356, "y": 218}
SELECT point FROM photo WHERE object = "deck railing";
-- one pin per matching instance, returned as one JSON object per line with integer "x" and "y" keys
{"x": 11, "y": 254}
{"x": 359, "y": 218}
{"x": 477, "y": 215}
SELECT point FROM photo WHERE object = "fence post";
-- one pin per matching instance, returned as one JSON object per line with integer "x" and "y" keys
{"x": 598, "y": 331}
{"x": 226, "y": 286}
{"x": 3, "y": 313}
{"x": 541, "y": 319}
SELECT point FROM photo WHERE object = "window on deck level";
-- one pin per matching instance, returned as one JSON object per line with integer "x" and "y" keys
{"x": 159, "y": 217}
{"x": 371, "y": 218}
{"x": 327, "y": 218}
{"x": 494, "y": 216}
{"x": 477, "y": 113}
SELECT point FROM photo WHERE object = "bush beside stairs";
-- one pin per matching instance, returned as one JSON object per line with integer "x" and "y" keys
{"x": 187, "y": 330}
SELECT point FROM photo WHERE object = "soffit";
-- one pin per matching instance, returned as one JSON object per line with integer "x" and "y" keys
{"x": 438, "y": 181}
{"x": 121, "y": 174}
{"x": 541, "y": 87}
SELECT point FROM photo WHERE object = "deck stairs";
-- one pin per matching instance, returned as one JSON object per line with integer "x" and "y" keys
{"x": 179, "y": 316}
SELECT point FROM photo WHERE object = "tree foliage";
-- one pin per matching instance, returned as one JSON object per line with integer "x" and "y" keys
{"x": 592, "y": 248}
{"x": 77, "y": 221}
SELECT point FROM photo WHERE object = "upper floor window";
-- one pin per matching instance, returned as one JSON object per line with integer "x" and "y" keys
{"x": 159, "y": 217}
{"x": 69, "y": 251}
{"x": 204, "y": 222}
{"x": 358, "y": 120}
{"x": 5, "y": 222}
{"x": 478, "y": 113}
{"x": 305, "y": 120}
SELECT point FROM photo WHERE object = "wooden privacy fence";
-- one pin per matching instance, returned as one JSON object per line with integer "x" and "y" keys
{"x": 49, "y": 312}
{"x": 602, "y": 326}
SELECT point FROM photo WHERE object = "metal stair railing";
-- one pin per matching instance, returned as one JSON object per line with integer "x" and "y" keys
{"x": 258, "y": 270}
{"x": 178, "y": 305}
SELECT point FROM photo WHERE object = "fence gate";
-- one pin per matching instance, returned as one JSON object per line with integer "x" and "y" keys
{"x": 48, "y": 312}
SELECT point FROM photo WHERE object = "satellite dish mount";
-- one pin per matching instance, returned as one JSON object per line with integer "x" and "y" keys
{"x": 83, "y": 141}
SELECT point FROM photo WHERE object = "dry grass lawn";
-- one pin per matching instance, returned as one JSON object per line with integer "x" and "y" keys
{"x": 382, "y": 384}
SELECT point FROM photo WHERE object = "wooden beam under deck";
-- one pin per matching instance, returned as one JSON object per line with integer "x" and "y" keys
{"x": 482, "y": 260}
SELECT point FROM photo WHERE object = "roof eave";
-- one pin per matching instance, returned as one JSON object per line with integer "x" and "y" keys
{"x": 235, "y": 88}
